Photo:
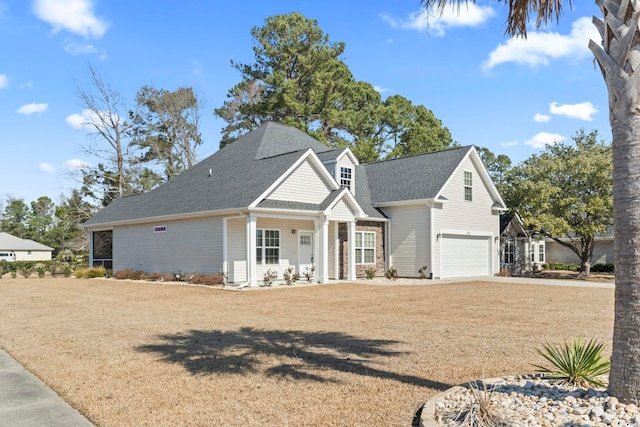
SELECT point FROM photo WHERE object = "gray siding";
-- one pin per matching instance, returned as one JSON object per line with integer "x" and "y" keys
{"x": 193, "y": 246}
{"x": 408, "y": 238}
{"x": 303, "y": 185}
{"x": 236, "y": 250}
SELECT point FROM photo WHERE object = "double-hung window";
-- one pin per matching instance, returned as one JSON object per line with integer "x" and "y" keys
{"x": 267, "y": 246}
{"x": 509, "y": 252}
{"x": 468, "y": 186}
{"x": 365, "y": 247}
{"x": 541, "y": 252}
{"x": 345, "y": 177}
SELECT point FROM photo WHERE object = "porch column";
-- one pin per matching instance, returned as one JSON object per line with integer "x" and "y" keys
{"x": 351, "y": 270}
{"x": 91, "y": 250}
{"x": 252, "y": 279}
{"x": 225, "y": 250}
{"x": 322, "y": 257}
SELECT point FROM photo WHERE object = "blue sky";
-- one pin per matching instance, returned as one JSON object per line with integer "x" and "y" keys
{"x": 511, "y": 96}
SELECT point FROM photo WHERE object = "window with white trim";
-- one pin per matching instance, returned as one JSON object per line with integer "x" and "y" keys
{"x": 345, "y": 177}
{"x": 541, "y": 252}
{"x": 468, "y": 186}
{"x": 365, "y": 247}
{"x": 509, "y": 252}
{"x": 267, "y": 246}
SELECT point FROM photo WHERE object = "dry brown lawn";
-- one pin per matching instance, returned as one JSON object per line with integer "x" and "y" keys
{"x": 134, "y": 354}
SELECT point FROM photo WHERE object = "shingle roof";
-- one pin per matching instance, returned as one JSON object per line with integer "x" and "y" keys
{"x": 238, "y": 174}
{"x": 409, "y": 178}
{"x": 9, "y": 242}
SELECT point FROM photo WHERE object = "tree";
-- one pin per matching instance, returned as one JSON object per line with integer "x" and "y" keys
{"x": 497, "y": 166}
{"x": 104, "y": 118}
{"x": 166, "y": 128}
{"x": 616, "y": 58}
{"x": 40, "y": 219}
{"x": 299, "y": 79}
{"x": 14, "y": 217}
{"x": 566, "y": 193}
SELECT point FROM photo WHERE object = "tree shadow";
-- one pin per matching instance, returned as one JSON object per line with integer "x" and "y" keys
{"x": 288, "y": 354}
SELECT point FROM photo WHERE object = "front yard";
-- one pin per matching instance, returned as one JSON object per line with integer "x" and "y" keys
{"x": 133, "y": 354}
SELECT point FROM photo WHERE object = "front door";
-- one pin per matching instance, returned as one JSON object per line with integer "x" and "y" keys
{"x": 305, "y": 251}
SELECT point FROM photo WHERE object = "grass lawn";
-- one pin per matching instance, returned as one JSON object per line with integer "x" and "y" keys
{"x": 134, "y": 354}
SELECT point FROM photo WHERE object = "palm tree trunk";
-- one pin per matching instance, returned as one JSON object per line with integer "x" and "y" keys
{"x": 618, "y": 60}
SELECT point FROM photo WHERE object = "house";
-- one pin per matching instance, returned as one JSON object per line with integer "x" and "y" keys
{"x": 521, "y": 251}
{"x": 277, "y": 198}
{"x": 24, "y": 249}
{"x": 603, "y": 252}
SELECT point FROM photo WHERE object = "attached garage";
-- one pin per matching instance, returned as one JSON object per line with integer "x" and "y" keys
{"x": 466, "y": 256}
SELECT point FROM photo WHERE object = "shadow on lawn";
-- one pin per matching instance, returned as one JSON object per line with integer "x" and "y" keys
{"x": 292, "y": 354}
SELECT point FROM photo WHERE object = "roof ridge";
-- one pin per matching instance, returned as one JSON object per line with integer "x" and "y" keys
{"x": 420, "y": 154}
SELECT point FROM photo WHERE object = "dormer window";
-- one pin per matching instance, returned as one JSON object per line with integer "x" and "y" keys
{"x": 345, "y": 177}
{"x": 468, "y": 188}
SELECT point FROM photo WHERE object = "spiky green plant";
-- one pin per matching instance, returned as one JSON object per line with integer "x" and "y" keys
{"x": 576, "y": 364}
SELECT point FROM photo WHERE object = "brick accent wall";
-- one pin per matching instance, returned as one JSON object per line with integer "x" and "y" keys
{"x": 343, "y": 265}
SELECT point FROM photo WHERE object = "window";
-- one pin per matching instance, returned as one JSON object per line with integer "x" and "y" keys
{"x": 267, "y": 246}
{"x": 468, "y": 181}
{"x": 345, "y": 177}
{"x": 365, "y": 247}
{"x": 28, "y": 252}
{"x": 541, "y": 252}
{"x": 509, "y": 252}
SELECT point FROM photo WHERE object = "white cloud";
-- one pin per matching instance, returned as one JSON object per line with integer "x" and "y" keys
{"x": 4, "y": 81}
{"x": 541, "y": 139}
{"x": 583, "y": 111}
{"x": 87, "y": 118}
{"x": 27, "y": 85}
{"x": 380, "y": 89}
{"x": 541, "y": 118}
{"x": 539, "y": 47}
{"x": 435, "y": 23}
{"x": 75, "y": 16}
{"x": 78, "y": 48}
{"x": 510, "y": 143}
{"x": 46, "y": 167}
{"x": 32, "y": 108}
{"x": 75, "y": 164}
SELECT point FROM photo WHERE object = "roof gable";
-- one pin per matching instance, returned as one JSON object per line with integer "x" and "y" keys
{"x": 10, "y": 242}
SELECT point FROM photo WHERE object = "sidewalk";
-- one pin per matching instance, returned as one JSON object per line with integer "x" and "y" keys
{"x": 25, "y": 401}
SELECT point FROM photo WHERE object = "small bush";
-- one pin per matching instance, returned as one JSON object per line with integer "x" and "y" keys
{"x": 391, "y": 274}
{"x": 504, "y": 273}
{"x": 577, "y": 364}
{"x": 129, "y": 274}
{"x": 25, "y": 268}
{"x": 269, "y": 277}
{"x": 308, "y": 273}
{"x": 52, "y": 267}
{"x": 602, "y": 268}
{"x": 423, "y": 272}
{"x": 153, "y": 276}
{"x": 370, "y": 273}
{"x": 90, "y": 272}
{"x": 41, "y": 271}
{"x": 560, "y": 266}
{"x": 290, "y": 276}
{"x": 482, "y": 411}
{"x": 212, "y": 279}
{"x": 66, "y": 272}
{"x": 168, "y": 277}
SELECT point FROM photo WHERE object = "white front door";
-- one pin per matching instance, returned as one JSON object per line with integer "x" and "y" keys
{"x": 305, "y": 251}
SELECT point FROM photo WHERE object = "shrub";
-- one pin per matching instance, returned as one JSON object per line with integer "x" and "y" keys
{"x": 308, "y": 273}
{"x": 25, "y": 268}
{"x": 66, "y": 272}
{"x": 391, "y": 274}
{"x": 504, "y": 273}
{"x": 370, "y": 273}
{"x": 212, "y": 279}
{"x": 423, "y": 272}
{"x": 129, "y": 274}
{"x": 602, "y": 268}
{"x": 90, "y": 272}
{"x": 168, "y": 277}
{"x": 154, "y": 276}
{"x": 561, "y": 266}
{"x": 482, "y": 410}
{"x": 577, "y": 364}
{"x": 41, "y": 270}
{"x": 52, "y": 266}
{"x": 269, "y": 277}
{"x": 290, "y": 277}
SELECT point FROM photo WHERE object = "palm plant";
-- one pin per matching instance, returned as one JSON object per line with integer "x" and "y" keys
{"x": 618, "y": 55}
{"x": 576, "y": 364}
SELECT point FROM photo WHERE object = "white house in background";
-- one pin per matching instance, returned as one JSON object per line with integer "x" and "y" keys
{"x": 521, "y": 252}
{"x": 277, "y": 198}
{"x": 603, "y": 252}
{"x": 24, "y": 249}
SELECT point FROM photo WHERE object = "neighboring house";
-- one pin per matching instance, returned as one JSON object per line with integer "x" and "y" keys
{"x": 602, "y": 251}
{"x": 521, "y": 251}
{"x": 277, "y": 198}
{"x": 24, "y": 249}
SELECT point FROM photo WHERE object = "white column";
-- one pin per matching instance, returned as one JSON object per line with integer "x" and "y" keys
{"x": 225, "y": 250}
{"x": 351, "y": 271}
{"x": 91, "y": 250}
{"x": 336, "y": 250}
{"x": 252, "y": 279}
{"x": 322, "y": 264}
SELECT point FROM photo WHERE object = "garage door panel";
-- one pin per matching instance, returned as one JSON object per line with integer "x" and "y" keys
{"x": 465, "y": 256}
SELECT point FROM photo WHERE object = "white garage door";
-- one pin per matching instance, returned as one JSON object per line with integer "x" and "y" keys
{"x": 464, "y": 256}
